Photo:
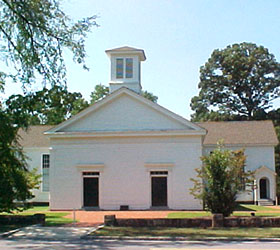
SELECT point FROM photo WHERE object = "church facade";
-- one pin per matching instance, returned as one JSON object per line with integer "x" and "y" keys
{"x": 126, "y": 152}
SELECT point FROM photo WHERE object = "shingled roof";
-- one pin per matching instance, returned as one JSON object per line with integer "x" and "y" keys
{"x": 233, "y": 133}
{"x": 34, "y": 136}
{"x": 240, "y": 133}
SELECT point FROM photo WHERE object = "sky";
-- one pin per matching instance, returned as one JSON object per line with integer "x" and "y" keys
{"x": 178, "y": 37}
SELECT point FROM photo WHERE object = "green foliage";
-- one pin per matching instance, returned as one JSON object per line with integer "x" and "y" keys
{"x": 239, "y": 83}
{"x": 150, "y": 96}
{"x": 240, "y": 80}
{"x": 33, "y": 36}
{"x": 274, "y": 115}
{"x": 220, "y": 179}
{"x": 48, "y": 106}
{"x": 101, "y": 91}
{"x": 15, "y": 180}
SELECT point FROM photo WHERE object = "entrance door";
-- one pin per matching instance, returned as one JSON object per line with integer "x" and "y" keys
{"x": 263, "y": 188}
{"x": 91, "y": 192}
{"x": 159, "y": 191}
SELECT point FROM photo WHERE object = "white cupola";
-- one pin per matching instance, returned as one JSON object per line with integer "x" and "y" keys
{"x": 126, "y": 68}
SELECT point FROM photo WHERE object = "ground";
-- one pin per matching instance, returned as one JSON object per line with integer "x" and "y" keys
{"x": 36, "y": 237}
{"x": 89, "y": 218}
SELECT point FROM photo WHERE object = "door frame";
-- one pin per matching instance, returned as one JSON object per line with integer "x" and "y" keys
{"x": 153, "y": 174}
{"x": 85, "y": 174}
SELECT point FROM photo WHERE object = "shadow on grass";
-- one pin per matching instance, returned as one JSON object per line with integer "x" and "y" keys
{"x": 245, "y": 208}
{"x": 57, "y": 219}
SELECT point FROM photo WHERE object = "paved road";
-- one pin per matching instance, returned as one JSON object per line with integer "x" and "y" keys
{"x": 15, "y": 244}
{"x": 39, "y": 238}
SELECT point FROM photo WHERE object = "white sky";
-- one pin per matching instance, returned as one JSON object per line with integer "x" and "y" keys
{"x": 178, "y": 37}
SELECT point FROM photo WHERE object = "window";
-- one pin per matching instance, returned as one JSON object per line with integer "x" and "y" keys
{"x": 122, "y": 70}
{"x": 45, "y": 172}
{"x": 128, "y": 68}
{"x": 119, "y": 68}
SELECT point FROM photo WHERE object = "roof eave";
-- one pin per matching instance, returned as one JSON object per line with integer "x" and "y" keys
{"x": 243, "y": 145}
{"x": 124, "y": 133}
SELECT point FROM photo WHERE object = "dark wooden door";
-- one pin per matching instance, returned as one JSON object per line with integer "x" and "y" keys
{"x": 159, "y": 191}
{"x": 91, "y": 192}
{"x": 263, "y": 189}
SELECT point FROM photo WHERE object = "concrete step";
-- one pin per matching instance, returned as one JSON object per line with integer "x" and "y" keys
{"x": 265, "y": 203}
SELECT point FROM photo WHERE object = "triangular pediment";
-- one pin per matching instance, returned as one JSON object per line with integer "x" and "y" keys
{"x": 124, "y": 110}
{"x": 265, "y": 169}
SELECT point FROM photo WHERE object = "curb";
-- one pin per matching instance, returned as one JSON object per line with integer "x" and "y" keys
{"x": 7, "y": 234}
{"x": 88, "y": 234}
{"x": 140, "y": 238}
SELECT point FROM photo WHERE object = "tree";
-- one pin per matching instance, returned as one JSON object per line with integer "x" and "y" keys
{"x": 33, "y": 36}
{"x": 220, "y": 179}
{"x": 47, "y": 106}
{"x": 241, "y": 80}
{"x": 15, "y": 179}
{"x": 274, "y": 115}
{"x": 150, "y": 96}
{"x": 101, "y": 91}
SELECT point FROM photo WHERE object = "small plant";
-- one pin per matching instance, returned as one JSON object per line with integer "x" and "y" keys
{"x": 220, "y": 179}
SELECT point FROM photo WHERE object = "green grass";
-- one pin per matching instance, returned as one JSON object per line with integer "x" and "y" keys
{"x": 192, "y": 233}
{"x": 242, "y": 210}
{"x": 52, "y": 218}
{"x": 57, "y": 219}
{"x": 187, "y": 214}
{"x": 182, "y": 215}
{"x": 252, "y": 208}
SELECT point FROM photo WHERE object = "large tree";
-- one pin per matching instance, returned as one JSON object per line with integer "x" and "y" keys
{"x": 33, "y": 37}
{"x": 241, "y": 80}
{"x": 16, "y": 181}
{"x": 47, "y": 106}
{"x": 239, "y": 83}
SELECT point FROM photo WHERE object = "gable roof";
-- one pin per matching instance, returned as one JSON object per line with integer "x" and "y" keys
{"x": 265, "y": 169}
{"x": 125, "y": 91}
{"x": 34, "y": 136}
{"x": 240, "y": 132}
{"x": 124, "y": 48}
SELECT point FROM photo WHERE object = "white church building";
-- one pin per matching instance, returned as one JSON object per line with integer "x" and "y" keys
{"x": 126, "y": 152}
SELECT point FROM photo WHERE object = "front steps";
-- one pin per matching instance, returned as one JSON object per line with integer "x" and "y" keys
{"x": 265, "y": 202}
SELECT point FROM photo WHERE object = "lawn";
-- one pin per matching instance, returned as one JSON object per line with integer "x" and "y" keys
{"x": 241, "y": 210}
{"x": 191, "y": 233}
{"x": 52, "y": 218}
{"x": 199, "y": 233}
